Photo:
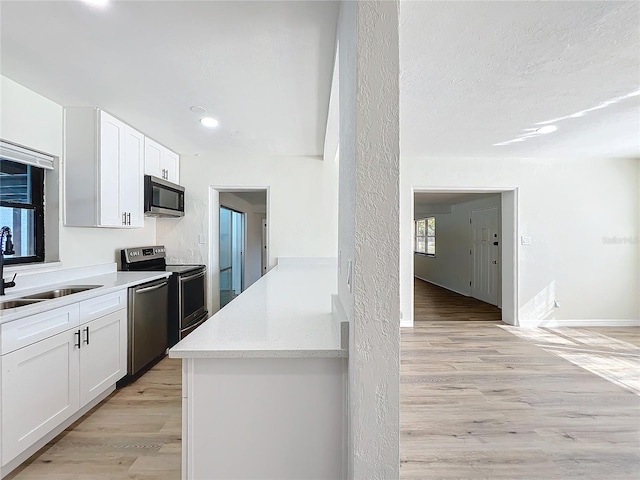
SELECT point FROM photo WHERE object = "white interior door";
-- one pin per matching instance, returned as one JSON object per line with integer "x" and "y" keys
{"x": 265, "y": 256}
{"x": 485, "y": 258}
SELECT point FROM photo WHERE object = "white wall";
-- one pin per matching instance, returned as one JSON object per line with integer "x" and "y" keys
{"x": 568, "y": 207}
{"x": 32, "y": 120}
{"x": 302, "y": 206}
{"x": 369, "y": 233}
{"x": 451, "y": 267}
{"x": 253, "y": 218}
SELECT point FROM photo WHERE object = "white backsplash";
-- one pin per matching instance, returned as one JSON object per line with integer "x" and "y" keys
{"x": 27, "y": 279}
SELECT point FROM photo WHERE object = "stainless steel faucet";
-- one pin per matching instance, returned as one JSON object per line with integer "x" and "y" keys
{"x": 8, "y": 250}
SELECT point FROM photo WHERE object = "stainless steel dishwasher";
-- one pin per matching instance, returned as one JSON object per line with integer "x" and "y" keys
{"x": 148, "y": 323}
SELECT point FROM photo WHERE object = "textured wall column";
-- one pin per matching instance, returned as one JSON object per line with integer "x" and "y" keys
{"x": 368, "y": 232}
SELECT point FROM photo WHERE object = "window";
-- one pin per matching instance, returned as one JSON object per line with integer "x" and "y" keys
{"x": 426, "y": 236}
{"x": 22, "y": 209}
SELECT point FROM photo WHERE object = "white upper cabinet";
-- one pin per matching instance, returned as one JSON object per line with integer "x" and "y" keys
{"x": 160, "y": 162}
{"x": 132, "y": 177}
{"x": 103, "y": 170}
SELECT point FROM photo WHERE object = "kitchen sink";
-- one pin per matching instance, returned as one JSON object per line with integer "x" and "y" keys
{"x": 60, "y": 292}
{"x": 17, "y": 303}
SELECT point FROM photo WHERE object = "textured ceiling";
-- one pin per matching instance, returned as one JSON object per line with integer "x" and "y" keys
{"x": 474, "y": 74}
{"x": 263, "y": 69}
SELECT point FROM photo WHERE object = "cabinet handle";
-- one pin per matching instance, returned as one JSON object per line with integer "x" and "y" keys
{"x": 124, "y": 218}
{"x": 78, "y": 334}
{"x": 86, "y": 329}
{"x": 128, "y": 218}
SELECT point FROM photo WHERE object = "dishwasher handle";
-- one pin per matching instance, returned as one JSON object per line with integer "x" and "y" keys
{"x": 151, "y": 288}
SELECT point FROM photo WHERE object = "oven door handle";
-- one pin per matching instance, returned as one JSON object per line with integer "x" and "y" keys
{"x": 154, "y": 287}
{"x": 191, "y": 277}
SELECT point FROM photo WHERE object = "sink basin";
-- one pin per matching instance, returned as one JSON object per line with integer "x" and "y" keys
{"x": 17, "y": 303}
{"x": 60, "y": 292}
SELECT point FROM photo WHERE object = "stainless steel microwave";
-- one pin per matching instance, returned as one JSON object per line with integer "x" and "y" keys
{"x": 162, "y": 198}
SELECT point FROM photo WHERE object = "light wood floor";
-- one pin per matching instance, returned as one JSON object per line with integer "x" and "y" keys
{"x": 436, "y": 303}
{"x": 133, "y": 434}
{"x": 478, "y": 401}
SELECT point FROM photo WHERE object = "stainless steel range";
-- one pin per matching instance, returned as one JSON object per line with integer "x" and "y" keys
{"x": 187, "y": 288}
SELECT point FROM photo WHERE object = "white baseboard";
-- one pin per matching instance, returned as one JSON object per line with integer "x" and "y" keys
{"x": 443, "y": 286}
{"x": 580, "y": 322}
{"x": 406, "y": 324}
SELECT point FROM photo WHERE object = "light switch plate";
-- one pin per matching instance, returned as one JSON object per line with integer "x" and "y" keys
{"x": 201, "y": 239}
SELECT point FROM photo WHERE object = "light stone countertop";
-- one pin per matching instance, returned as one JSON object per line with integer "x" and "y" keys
{"x": 285, "y": 314}
{"x": 110, "y": 282}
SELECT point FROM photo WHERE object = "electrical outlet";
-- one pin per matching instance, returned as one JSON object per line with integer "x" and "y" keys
{"x": 525, "y": 240}
{"x": 201, "y": 239}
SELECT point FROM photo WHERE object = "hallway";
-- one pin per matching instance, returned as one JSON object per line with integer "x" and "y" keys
{"x": 436, "y": 303}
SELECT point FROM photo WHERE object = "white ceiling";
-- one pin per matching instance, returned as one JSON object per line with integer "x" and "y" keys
{"x": 257, "y": 198}
{"x": 478, "y": 73}
{"x": 422, "y": 199}
{"x": 263, "y": 69}
{"x": 472, "y": 73}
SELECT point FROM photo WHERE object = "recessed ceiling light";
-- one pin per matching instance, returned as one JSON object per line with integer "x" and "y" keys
{"x": 197, "y": 109}
{"x": 209, "y": 122}
{"x": 96, "y": 3}
{"x": 547, "y": 129}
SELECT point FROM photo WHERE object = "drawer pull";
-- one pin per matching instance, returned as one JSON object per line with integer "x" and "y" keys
{"x": 86, "y": 329}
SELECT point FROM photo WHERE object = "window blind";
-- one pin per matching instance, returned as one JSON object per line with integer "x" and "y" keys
{"x": 9, "y": 151}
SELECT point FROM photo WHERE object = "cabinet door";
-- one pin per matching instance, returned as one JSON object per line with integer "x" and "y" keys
{"x": 103, "y": 356}
{"x": 39, "y": 391}
{"x": 153, "y": 158}
{"x": 131, "y": 177}
{"x": 111, "y": 152}
{"x": 171, "y": 166}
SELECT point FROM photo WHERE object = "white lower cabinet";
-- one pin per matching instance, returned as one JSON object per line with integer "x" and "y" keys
{"x": 39, "y": 391}
{"x": 103, "y": 354}
{"x": 47, "y": 381}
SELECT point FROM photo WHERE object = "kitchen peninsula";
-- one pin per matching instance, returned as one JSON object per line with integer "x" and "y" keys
{"x": 264, "y": 382}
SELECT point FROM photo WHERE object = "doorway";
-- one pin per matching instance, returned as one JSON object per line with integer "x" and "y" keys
{"x": 467, "y": 269}
{"x": 239, "y": 252}
{"x": 232, "y": 252}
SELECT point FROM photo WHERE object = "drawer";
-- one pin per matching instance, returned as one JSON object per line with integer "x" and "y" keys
{"x": 28, "y": 330}
{"x": 103, "y": 305}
